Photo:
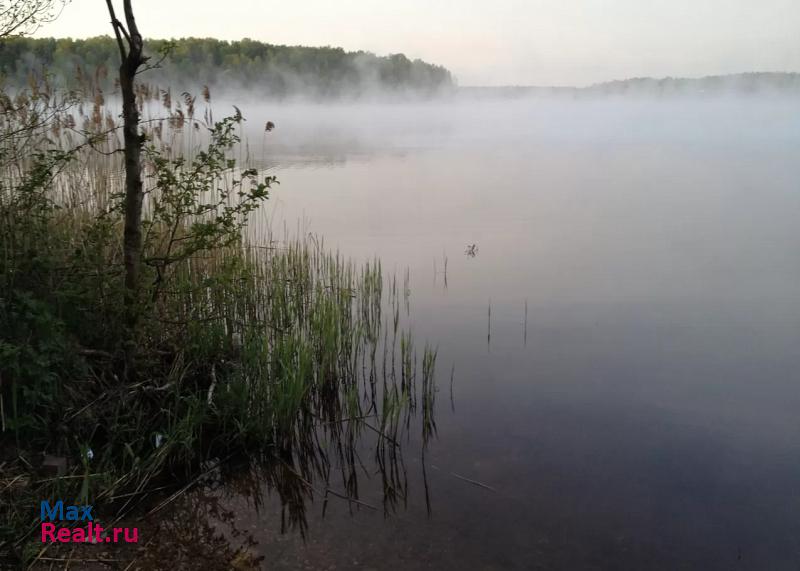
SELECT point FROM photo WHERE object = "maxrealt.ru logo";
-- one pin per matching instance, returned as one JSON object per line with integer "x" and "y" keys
{"x": 78, "y": 526}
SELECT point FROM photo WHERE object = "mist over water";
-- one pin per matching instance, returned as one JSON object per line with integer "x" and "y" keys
{"x": 632, "y": 394}
{"x": 510, "y": 286}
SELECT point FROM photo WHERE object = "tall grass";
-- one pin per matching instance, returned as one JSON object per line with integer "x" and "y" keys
{"x": 260, "y": 348}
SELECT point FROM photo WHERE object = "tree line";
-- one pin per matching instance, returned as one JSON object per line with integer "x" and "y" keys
{"x": 272, "y": 70}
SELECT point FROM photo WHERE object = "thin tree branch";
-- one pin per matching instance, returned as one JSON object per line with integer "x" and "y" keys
{"x": 135, "y": 39}
{"x": 117, "y": 25}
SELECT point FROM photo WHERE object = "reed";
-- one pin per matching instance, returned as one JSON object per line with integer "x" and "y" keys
{"x": 254, "y": 344}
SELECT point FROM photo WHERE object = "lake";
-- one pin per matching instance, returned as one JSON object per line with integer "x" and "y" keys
{"x": 614, "y": 285}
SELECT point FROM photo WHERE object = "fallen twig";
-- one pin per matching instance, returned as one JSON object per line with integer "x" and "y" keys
{"x": 473, "y": 482}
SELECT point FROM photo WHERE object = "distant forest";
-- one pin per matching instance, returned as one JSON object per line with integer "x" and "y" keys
{"x": 741, "y": 83}
{"x": 759, "y": 83}
{"x": 271, "y": 70}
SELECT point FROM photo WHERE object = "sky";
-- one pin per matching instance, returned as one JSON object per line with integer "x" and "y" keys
{"x": 494, "y": 42}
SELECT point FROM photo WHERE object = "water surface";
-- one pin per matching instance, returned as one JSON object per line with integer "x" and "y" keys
{"x": 642, "y": 412}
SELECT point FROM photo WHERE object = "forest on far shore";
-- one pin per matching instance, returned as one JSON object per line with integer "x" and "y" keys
{"x": 274, "y": 70}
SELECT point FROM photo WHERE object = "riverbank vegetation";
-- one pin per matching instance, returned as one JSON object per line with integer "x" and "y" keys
{"x": 244, "y": 344}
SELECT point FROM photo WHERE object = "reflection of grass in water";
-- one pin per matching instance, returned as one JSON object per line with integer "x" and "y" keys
{"x": 305, "y": 390}
{"x": 281, "y": 350}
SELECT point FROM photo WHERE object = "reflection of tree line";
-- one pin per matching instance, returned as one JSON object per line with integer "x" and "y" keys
{"x": 319, "y": 157}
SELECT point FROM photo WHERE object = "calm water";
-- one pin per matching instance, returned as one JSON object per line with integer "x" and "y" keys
{"x": 646, "y": 413}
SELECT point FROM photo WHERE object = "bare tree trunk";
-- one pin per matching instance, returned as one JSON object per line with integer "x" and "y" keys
{"x": 130, "y": 46}
{"x": 133, "y": 187}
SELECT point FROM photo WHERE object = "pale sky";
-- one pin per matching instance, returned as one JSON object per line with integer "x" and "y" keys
{"x": 494, "y": 42}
